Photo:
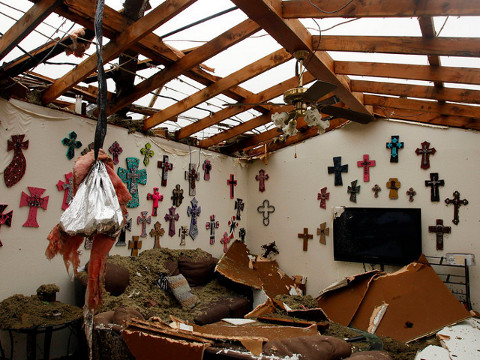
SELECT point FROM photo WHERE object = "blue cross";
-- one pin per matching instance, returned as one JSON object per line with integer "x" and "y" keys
{"x": 394, "y": 145}
{"x": 72, "y": 144}
{"x": 193, "y": 212}
{"x": 132, "y": 177}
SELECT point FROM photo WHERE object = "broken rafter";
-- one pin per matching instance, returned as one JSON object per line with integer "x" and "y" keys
{"x": 428, "y": 32}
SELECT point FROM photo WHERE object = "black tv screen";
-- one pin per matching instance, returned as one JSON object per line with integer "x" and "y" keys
{"x": 388, "y": 236}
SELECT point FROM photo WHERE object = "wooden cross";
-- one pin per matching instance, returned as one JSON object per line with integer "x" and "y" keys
{"x": 393, "y": 184}
{"x": 233, "y": 224}
{"x": 207, "y": 167}
{"x": 132, "y": 177}
{"x": 177, "y": 196}
{"x": 305, "y": 236}
{"x": 5, "y": 219}
{"x": 193, "y": 212}
{"x": 241, "y": 234}
{"x": 239, "y": 206}
{"x": 16, "y": 169}
{"x": 115, "y": 150}
{"x": 88, "y": 148}
{"x": 457, "y": 202}
{"x": 434, "y": 183}
{"x": 135, "y": 244}
{"x": 425, "y": 151}
{"x": 171, "y": 217}
{"x": 261, "y": 178}
{"x": 353, "y": 190}
{"x": 192, "y": 175}
{"x": 212, "y": 225}
{"x": 394, "y": 145}
{"x": 67, "y": 187}
{"x": 156, "y": 232}
{"x": 72, "y": 144}
{"x": 337, "y": 169}
{"x": 266, "y": 209}
{"x": 156, "y": 197}
{"x": 166, "y": 167}
{"x": 366, "y": 164}
{"x": 121, "y": 239}
{"x": 147, "y": 153}
{"x": 35, "y": 201}
{"x": 144, "y": 220}
{"x": 439, "y": 229}
{"x": 225, "y": 240}
{"x": 411, "y": 193}
{"x": 323, "y": 231}
{"x": 323, "y": 196}
{"x": 182, "y": 232}
{"x": 232, "y": 182}
{"x": 376, "y": 189}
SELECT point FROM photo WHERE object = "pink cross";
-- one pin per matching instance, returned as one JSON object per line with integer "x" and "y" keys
{"x": 35, "y": 201}
{"x": 366, "y": 163}
{"x": 225, "y": 240}
{"x": 156, "y": 197}
{"x": 67, "y": 187}
{"x": 323, "y": 196}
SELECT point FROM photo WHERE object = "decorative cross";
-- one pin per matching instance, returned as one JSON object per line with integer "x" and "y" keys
{"x": 212, "y": 225}
{"x": 192, "y": 175}
{"x": 233, "y": 224}
{"x": 305, "y": 236}
{"x": 323, "y": 231}
{"x": 67, "y": 187}
{"x": 5, "y": 219}
{"x": 144, "y": 220}
{"x": 171, "y": 217}
{"x": 394, "y": 146}
{"x": 207, "y": 167}
{"x": 156, "y": 197}
{"x": 269, "y": 249}
{"x": 337, "y": 169}
{"x": 457, "y": 202}
{"x": 439, "y": 229}
{"x": 232, "y": 182}
{"x": 72, "y": 144}
{"x": 135, "y": 244}
{"x": 366, "y": 164}
{"x": 166, "y": 167}
{"x": 132, "y": 177}
{"x": 35, "y": 201}
{"x": 266, "y": 209}
{"x": 261, "y": 178}
{"x": 376, "y": 189}
{"x": 88, "y": 148}
{"x": 193, "y": 212}
{"x": 225, "y": 240}
{"x": 115, "y": 150}
{"x": 393, "y": 184}
{"x": 425, "y": 151}
{"x": 434, "y": 183}
{"x": 156, "y": 232}
{"x": 121, "y": 238}
{"x": 177, "y": 196}
{"x": 323, "y": 196}
{"x": 16, "y": 169}
{"x": 411, "y": 193}
{"x": 239, "y": 206}
{"x": 241, "y": 234}
{"x": 353, "y": 190}
{"x": 182, "y": 232}
{"x": 147, "y": 153}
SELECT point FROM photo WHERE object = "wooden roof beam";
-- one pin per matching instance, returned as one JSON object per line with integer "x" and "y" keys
{"x": 114, "y": 48}
{"x": 379, "y": 8}
{"x": 266, "y": 63}
{"x": 428, "y": 32}
{"x": 433, "y": 47}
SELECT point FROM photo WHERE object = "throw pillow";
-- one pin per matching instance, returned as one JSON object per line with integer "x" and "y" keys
{"x": 181, "y": 290}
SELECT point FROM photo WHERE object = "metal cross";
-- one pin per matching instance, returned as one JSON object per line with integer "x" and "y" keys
{"x": 323, "y": 231}
{"x": 156, "y": 197}
{"x": 337, "y": 169}
{"x": 144, "y": 220}
{"x": 225, "y": 240}
{"x": 34, "y": 201}
{"x": 171, "y": 217}
{"x": 239, "y": 206}
{"x": 165, "y": 166}
{"x": 266, "y": 209}
{"x": 212, "y": 225}
{"x": 156, "y": 232}
{"x": 457, "y": 202}
{"x": 192, "y": 175}
{"x": 376, "y": 189}
{"x": 232, "y": 182}
{"x": 135, "y": 244}
{"x": 394, "y": 145}
{"x": 115, "y": 150}
{"x": 353, "y": 190}
{"x": 177, "y": 196}
{"x": 305, "y": 236}
{"x": 193, "y": 212}
{"x": 439, "y": 229}
{"x": 393, "y": 184}
{"x": 261, "y": 178}
{"x": 207, "y": 167}
{"x": 72, "y": 144}
{"x": 323, "y": 196}
{"x": 233, "y": 224}
{"x": 182, "y": 232}
{"x": 121, "y": 239}
{"x": 5, "y": 219}
{"x": 425, "y": 151}
{"x": 67, "y": 187}
{"x": 411, "y": 193}
{"x": 434, "y": 183}
{"x": 366, "y": 164}
{"x": 132, "y": 177}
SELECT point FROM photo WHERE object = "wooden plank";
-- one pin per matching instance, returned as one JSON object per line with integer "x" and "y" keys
{"x": 379, "y": 8}
{"x": 29, "y": 21}
{"x": 426, "y": 106}
{"x": 413, "y": 72}
{"x": 293, "y": 36}
{"x": 206, "y": 51}
{"x": 123, "y": 41}
{"x": 417, "y": 91}
{"x": 443, "y": 46}
{"x": 266, "y": 63}
{"x": 428, "y": 32}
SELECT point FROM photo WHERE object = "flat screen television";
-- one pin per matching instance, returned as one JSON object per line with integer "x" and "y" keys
{"x": 388, "y": 236}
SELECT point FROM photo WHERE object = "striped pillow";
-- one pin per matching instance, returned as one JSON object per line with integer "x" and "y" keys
{"x": 181, "y": 290}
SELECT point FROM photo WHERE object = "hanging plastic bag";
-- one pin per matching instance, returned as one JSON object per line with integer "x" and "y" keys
{"x": 95, "y": 207}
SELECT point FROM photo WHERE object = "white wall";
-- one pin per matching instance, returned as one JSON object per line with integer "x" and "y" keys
{"x": 295, "y": 182}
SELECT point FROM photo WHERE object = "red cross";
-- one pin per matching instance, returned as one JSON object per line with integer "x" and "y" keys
{"x": 366, "y": 164}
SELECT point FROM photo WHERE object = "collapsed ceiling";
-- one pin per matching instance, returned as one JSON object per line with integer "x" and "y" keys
{"x": 228, "y": 116}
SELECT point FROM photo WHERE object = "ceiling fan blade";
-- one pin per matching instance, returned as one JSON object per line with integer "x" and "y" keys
{"x": 317, "y": 90}
{"x": 347, "y": 114}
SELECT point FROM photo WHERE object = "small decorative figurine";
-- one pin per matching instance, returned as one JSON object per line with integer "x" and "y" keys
{"x": 5, "y": 219}
{"x": 207, "y": 167}
{"x": 171, "y": 217}
{"x": 192, "y": 175}
{"x": 366, "y": 164}
{"x": 434, "y": 183}
{"x": 34, "y": 201}
{"x": 353, "y": 190}
{"x": 425, "y": 151}
{"x": 132, "y": 177}
{"x": 269, "y": 249}
{"x": 239, "y": 206}
{"x": 457, "y": 202}
{"x": 177, "y": 196}
{"x": 121, "y": 238}
{"x": 182, "y": 232}
{"x": 72, "y": 144}
{"x": 305, "y": 236}
{"x": 439, "y": 229}
{"x": 225, "y": 240}
{"x": 166, "y": 167}
{"x": 212, "y": 225}
{"x": 135, "y": 244}
{"x": 115, "y": 150}
{"x": 394, "y": 145}
{"x": 261, "y": 178}
{"x": 193, "y": 212}
{"x": 232, "y": 225}
{"x": 232, "y": 183}
{"x": 241, "y": 234}
{"x": 393, "y": 184}
{"x": 411, "y": 193}
{"x": 156, "y": 232}
{"x": 14, "y": 172}
{"x": 376, "y": 189}
{"x": 323, "y": 196}
{"x": 337, "y": 169}
{"x": 67, "y": 187}
{"x": 147, "y": 153}
{"x": 144, "y": 220}
{"x": 323, "y": 231}
{"x": 266, "y": 209}
{"x": 156, "y": 197}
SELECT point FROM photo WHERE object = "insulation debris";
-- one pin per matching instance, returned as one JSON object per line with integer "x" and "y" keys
{"x": 462, "y": 340}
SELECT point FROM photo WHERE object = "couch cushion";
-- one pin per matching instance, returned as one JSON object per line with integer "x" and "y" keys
{"x": 197, "y": 271}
